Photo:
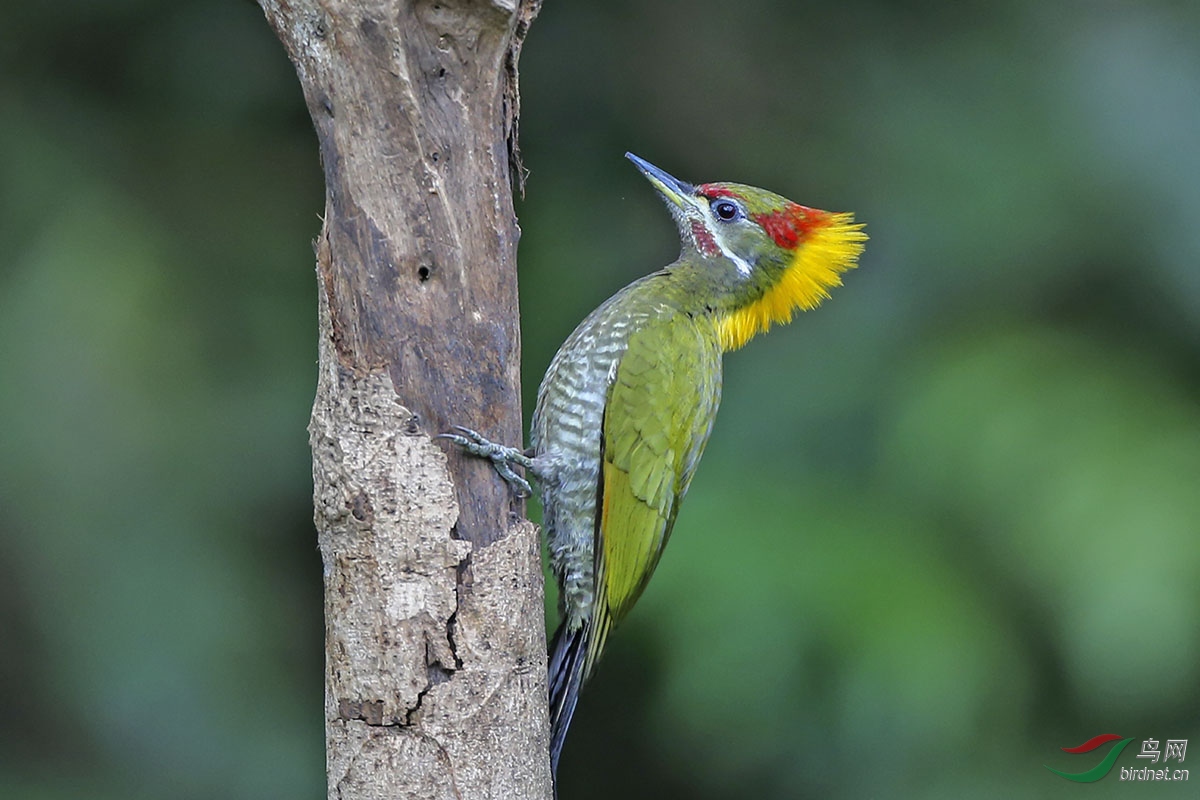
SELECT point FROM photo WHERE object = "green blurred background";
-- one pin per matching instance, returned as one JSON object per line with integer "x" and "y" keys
{"x": 947, "y": 523}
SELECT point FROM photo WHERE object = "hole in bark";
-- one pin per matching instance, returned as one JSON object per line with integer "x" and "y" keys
{"x": 422, "y": 274}
{"x": 360, "y": 507}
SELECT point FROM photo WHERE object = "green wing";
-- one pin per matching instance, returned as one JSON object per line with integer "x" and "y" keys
{"x": 657, "y": 419}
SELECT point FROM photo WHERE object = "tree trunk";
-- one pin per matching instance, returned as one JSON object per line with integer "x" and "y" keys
{"x": 435, "y": 647}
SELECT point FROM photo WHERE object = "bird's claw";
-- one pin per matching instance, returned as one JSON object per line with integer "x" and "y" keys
{"x": 502, "y": 457}
{"x": 520, "y": 486}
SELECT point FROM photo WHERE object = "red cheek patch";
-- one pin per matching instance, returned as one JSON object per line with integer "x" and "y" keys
{"x": 705, "y": 242}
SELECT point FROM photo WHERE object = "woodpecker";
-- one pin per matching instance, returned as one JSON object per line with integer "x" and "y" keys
{"x": 628, "y": 403}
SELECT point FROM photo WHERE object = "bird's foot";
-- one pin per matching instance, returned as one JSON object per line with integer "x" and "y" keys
{"x": 502, "y": 457}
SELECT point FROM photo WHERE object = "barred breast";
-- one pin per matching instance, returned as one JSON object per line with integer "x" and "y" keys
{"x": 565, "y": 436}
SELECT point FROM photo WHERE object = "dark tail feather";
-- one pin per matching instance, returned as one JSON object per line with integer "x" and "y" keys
{"x": 567, "y": 654}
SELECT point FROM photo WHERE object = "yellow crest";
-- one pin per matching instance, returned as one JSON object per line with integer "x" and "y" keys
{"x": 829, "y": 248}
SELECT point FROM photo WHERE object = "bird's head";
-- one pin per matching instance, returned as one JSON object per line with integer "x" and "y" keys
{"x": 767, "y": 255}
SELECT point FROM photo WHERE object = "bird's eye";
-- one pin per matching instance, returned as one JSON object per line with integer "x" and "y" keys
{"x": 726, "y": 210}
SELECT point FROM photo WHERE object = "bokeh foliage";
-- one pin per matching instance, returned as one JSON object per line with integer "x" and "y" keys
{"x": 947, "y": 524}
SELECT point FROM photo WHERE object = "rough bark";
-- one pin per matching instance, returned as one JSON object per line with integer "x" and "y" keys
{"x": 435, "y": 646}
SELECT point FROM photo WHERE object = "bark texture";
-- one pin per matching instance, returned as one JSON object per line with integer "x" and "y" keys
{"x": 435, "y": 646}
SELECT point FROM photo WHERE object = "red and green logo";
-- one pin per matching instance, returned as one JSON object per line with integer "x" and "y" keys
{"x": 1100, "y": 770}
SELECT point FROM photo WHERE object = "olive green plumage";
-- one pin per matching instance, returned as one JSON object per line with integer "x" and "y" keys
{"x": 627, "y": 405}
{"x": 623, "y": 415}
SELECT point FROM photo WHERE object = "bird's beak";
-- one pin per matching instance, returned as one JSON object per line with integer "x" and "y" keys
{"x": 676, "y": 192}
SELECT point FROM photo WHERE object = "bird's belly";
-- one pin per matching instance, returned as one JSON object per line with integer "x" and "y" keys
{"x": 567, "y": 429}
